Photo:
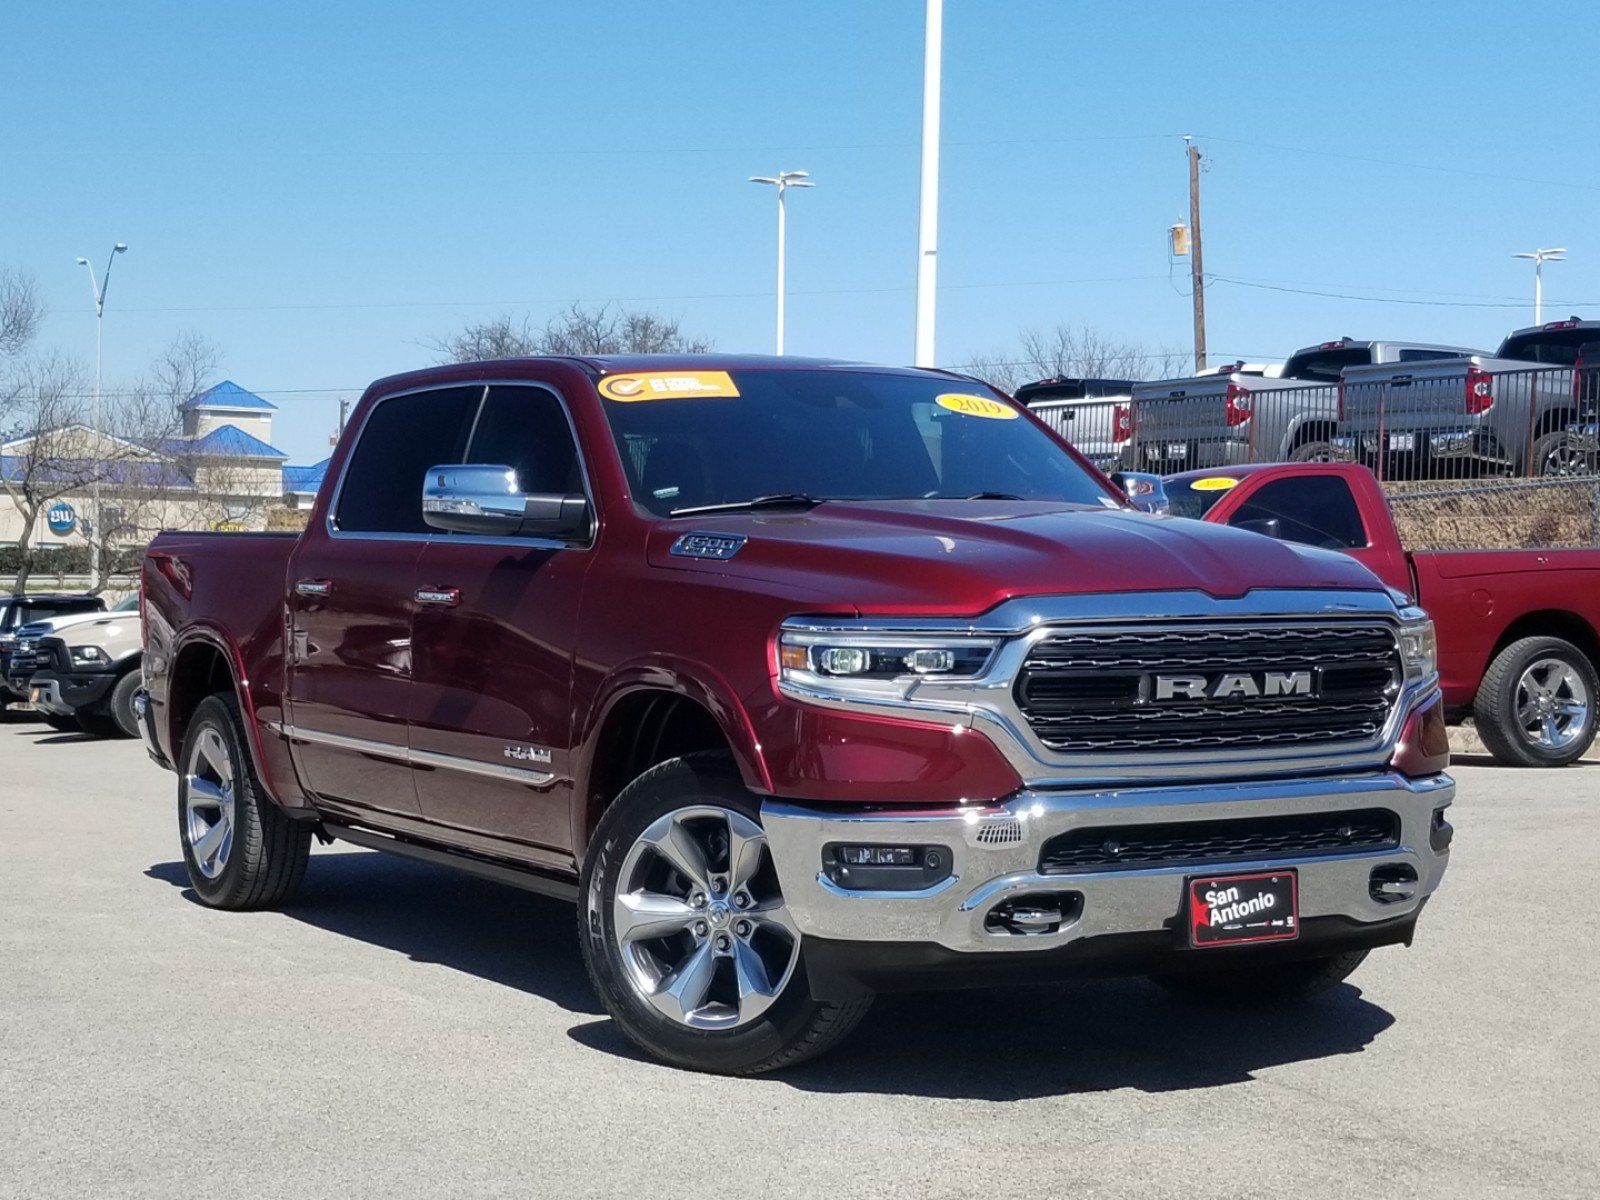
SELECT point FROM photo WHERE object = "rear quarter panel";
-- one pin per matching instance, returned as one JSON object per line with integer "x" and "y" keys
{"x": 223, "y": 591}
{"x": 1476, "y": 596}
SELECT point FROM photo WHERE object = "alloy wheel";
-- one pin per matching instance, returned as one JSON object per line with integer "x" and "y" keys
{"x": 1552, "y": 703}
{"x": 700, "y": 922}
{"x": 208, "y": 802}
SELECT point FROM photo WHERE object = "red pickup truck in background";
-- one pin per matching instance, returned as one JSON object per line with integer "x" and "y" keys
{"x": 1518, "y": 647}
{"x": 805, "y": 680}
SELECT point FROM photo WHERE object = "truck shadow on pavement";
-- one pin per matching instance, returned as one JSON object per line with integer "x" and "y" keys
{"x": 1099, "y": 1035}
{"x": 436, "y": 915}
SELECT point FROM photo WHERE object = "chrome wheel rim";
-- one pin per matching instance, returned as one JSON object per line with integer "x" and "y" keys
{"x": 700, "y": 922}
{"x": 1565, "y": 460}
{"x": 208, "y": 803}
{"x": 1552, "y": 703}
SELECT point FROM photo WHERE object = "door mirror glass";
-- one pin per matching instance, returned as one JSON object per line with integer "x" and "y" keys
{"x": 484, "y": 499}
{"x": 1145, "y": 491}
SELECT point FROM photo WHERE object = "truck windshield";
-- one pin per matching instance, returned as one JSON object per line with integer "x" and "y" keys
{"x": 1194, "y": 498}
{"x": 691, "y": 439}
{"x": 1552, "y": 347}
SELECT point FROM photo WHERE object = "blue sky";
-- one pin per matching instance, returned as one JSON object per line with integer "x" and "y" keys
{"x": 321, "y": 188}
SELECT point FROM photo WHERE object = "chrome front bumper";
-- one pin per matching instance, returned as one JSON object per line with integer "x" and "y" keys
{"x": 46, "y": 697}
{"x": 995, "y": 854}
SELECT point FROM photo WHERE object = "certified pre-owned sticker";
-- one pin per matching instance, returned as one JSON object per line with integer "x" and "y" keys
{"x": 1217, "y": 483}
{"x": 969, "y": 405}
{"x": 667, "y": 385}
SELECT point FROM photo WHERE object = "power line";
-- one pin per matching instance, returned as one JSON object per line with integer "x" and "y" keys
{"x": 1271, "y": 287}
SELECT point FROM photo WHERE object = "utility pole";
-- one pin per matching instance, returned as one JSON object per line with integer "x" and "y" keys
{"x": 98, "y": 290}
{"x": 928, "y": 224}
{"x": 1197, "y": 272}
{"x": 344, "y": 413}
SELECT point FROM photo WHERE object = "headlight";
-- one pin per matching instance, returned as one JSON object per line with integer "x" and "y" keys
{"x": 89, "y": 656}
{"x": 1419, "y": 648}
{"x": 868, "y": 665}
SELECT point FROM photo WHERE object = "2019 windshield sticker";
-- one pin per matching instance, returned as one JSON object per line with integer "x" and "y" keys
{"x": 668, "y": 385}
{"x": 1218, "y": 483}
{"x": 976, "y": 406}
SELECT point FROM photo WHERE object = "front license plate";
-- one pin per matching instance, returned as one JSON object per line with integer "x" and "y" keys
{"x": 1230, "y": 910}
{"x": 1402, "y": 443}
{"x": 1177, "y": 449}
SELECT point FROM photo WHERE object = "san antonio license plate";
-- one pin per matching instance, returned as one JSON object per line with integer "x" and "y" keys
{"x": 1230, "y": 910}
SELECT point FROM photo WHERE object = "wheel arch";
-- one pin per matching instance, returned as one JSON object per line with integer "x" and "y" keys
{"x": 206, "y": 664}
{"x": 1551, "y": 622}
{"x": 649, "y": 715}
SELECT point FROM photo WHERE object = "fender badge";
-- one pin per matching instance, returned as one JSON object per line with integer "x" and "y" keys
{"x": 708, "y": 545}
{"x": 534, "y": 754}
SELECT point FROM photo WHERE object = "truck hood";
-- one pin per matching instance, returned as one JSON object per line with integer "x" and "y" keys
{"x": 963, "y": 557}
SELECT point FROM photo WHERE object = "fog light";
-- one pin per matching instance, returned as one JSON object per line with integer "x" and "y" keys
{"x": 885, "y": 868}
{"x": 931, "y": 662}
{"x": 878, "y": 856}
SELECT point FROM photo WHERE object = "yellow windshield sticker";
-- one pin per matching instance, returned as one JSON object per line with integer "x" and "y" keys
{"x": 1217, "y": 483}
{"x": 667, "y": 385}
{"x": 976, "y": 406}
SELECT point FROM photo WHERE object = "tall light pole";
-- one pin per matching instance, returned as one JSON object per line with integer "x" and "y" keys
{"x": 928, "y": 222}
{"x": 1540, "y": 257}
{"x": 98, "y": 289}
{"x": 783, "y": 181}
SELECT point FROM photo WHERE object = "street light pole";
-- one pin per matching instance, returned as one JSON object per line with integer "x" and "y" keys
{"x": 98, "y": 291}
{"x": 928, "y": 222}
{"x": 1539, "y": 258}
{"x": 783, "y": 181}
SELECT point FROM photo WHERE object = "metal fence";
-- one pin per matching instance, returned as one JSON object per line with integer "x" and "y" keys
{"x": 1413, "y": 422}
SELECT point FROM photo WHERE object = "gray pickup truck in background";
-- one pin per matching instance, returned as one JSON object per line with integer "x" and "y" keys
{"x": 1230, "y": 417}
{"x": 1095, "y": 415}
{"x": 1520, "y": 411}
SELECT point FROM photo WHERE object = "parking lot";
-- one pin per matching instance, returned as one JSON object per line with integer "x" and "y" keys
{"x": 402, "y": 1030}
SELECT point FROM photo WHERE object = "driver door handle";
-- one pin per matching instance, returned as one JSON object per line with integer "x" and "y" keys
{"x": 313, "y": 587}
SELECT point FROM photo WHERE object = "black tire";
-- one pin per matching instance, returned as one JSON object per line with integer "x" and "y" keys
{"x": 61, "y": 724}
{"x": 265, "y": 856}
{"x": 1318, "y": 449}
{"x": 1554, "y": 456}
{"x": 1263, "y": 983}
{"x": 120, "y": 706}
{"x": 794, "y": 1028}
{"x": 1495, "y": 711}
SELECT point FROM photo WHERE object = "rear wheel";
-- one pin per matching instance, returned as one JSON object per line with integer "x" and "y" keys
{"x": 1317, "y": 449}
{"x": 1261, "y": 983}
{"x": 1555, "y": 455}
{"x": 685, "y": 932}
{"x": 1536, "y": 704}
{"x": 239, "y": 848}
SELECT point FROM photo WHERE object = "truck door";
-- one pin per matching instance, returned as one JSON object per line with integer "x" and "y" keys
{"x": 495, "y": 619}
{"x": 351, "y": 600}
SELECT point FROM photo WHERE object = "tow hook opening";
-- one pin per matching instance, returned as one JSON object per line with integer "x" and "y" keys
{"x": 1440, "y": 832}
{"x": 1034, "y": 914}
{"x": 1393, "y": 882}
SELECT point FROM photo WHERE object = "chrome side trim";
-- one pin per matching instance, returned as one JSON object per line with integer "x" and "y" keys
{"x": 414, "y": 758}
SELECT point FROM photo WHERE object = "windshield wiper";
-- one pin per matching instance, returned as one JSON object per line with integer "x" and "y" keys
{"x": 780, "y": 500}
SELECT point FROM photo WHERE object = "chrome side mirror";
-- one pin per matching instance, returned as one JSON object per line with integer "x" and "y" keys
{"x": 484, "y": 499}
{"x": 1145, "y": 492}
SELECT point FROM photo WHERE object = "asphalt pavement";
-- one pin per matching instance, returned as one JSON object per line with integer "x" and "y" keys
{"x": 402, "y": 1031}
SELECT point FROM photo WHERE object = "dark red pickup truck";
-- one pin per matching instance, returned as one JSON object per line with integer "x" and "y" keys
{"x": 805, "y": 680}
{"x": 1518, "y": 647}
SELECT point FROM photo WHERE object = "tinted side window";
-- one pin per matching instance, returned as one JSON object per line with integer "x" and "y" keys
{"x": 526, "y": 429}
{"x": 402, "y": 438}
{"x": 1316, "y": 510}
{"x": 1427, "y": 355}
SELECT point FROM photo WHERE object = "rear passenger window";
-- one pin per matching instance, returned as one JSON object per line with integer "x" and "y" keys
{"x": 526, "y": 429}
{"x": 404, "y": 436}
{"x": 1314, "y": 510}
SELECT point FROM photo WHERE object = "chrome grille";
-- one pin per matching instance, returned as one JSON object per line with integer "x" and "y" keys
{"x": 1093, "y": 691}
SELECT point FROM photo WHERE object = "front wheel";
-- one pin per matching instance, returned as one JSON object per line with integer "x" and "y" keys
{"x": 1317, "y": 450}
{"x": 685, "y": 932}
{"x": 1264, "y": 983}
{"x": 1536, "y": 704}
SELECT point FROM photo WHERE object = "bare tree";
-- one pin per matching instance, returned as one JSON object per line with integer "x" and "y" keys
{"x": 574, "y": 330}
{"x": 1068, "y": 350}
{"x": 47, "y": 451}
{"x": 21, "y": 310}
